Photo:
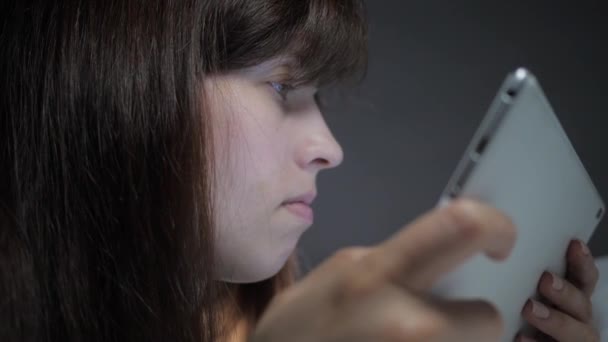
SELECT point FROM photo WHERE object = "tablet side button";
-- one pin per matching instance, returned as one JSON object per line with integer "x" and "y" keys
{"x": 481, "y": 146}
{"x": 462, "y": 180}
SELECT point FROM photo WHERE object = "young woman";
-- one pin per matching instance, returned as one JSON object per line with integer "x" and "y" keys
{"x": 158, "y": 161}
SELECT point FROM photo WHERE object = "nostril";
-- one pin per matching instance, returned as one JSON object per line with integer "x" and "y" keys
{"x": 319, "y": 151}
{"x": 322, "y": 162}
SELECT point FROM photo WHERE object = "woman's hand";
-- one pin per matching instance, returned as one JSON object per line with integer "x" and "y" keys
{"x": 569, "y": 315}
{"x": 380, "y": 293}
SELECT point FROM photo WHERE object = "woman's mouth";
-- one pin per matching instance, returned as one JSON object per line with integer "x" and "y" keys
{"x": 300, "y": 206}
{"x": 301, "y": 210}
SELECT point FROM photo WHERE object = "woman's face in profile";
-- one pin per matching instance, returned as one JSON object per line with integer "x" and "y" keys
{"x": 271, "y": 141}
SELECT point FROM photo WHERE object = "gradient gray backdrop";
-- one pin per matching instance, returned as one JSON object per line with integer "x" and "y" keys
{"x": 434, "y": 68}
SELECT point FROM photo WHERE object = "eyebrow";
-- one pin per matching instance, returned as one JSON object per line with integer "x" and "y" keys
{"x": 270, "y": 65}
{"x": 292, "y": 70}
{"x": 283, "y": 61}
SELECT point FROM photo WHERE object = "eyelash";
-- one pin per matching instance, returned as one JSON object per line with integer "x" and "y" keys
{"x": 283, "y": 89}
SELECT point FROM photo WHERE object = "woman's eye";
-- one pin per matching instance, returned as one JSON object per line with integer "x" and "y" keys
{"x": 282, "y": 89}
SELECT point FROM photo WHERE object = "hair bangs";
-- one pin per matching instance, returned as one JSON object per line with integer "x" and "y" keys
{"x": 326, "y": 40}
{"x": 331, "y": 43}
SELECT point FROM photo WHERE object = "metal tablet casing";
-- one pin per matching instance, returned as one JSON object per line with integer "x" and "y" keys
{"x": 521, "y": 161}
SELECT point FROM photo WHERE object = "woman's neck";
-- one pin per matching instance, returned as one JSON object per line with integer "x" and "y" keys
{"x": 239, "y": 333}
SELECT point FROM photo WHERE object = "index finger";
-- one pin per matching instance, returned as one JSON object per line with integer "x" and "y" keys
{"x": 442, "y": 239}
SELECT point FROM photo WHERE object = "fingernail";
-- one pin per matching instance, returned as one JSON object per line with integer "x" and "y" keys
{"x": 539, "y": 310}
{"x": 556, "y": 282}
{"x": 584, "y": 248}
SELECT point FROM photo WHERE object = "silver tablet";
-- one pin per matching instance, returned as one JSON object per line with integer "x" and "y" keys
{"x": 521, "y": 161}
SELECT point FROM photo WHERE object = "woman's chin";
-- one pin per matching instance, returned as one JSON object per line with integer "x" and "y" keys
{"x": 262, "y": 270}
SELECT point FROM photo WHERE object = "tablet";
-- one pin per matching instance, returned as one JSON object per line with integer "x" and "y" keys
{"x": 521, "y": 162}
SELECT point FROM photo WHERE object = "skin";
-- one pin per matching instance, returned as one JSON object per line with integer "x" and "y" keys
{"x": 569, "y": 304}
{"x": 270, "y": 145}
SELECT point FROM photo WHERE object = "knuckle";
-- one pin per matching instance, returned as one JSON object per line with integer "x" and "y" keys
{"x": 369, "y": 261}
{"x": 587, "y": 312}
{"x": 358, "y": 274}
{"x": 353, "y": 286}
{"x": 421, "y": 327}
{"x": 349, "y": 255}
{"x": 558, "y": 321}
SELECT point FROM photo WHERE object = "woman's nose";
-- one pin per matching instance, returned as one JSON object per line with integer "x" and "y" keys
{"x": 320, "y": 150}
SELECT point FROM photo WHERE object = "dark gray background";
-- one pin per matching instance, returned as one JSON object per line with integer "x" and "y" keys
{"x": 434, "y": 68}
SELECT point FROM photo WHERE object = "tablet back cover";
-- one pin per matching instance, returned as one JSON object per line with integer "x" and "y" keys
{"x": 529, "y": 170}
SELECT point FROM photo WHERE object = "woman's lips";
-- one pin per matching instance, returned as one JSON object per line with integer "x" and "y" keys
{"x": 302, "y": 210}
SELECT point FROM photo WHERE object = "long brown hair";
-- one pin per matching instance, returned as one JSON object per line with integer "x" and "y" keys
{"x": 106, "y": 231}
